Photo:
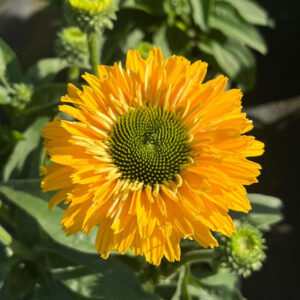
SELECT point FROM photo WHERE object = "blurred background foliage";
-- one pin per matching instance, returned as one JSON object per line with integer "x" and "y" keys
{"x": 222, "y": 32}
{"x": 37, "y": 261}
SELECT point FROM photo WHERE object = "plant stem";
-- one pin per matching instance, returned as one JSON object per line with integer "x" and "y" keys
{"x": 73, "y": 74}
{"x": 94, "y": 49}
{"x": 185, "y": 292}
{"x": 21, "y": 250}
{"x": 197, "y": 255}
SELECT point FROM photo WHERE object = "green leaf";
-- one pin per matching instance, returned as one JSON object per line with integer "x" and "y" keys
{"x": 222, "y": 276}
{"x": 153, "y": 7}
{"x": 52, "y": 290}
{"x": 252, "y": 12}
{"x": 220, "y": 292}
{"x": 50, "y": 221}
{"x": 24, "y": 147}
{"x": 178, "y": 291}
{"x": 200, "y": 11}
{"x": 114, "y": 280}
{"x": 22, "y": 280}
{"x": 70, "y": 272}
{"x": 160, "y": 40}
{"x": 12, "y": 66}
{"x": 44, "y": 71}
{"x": 4, "y": 98}
{"x": 45, "y": 97}
{"x": 226, "y": 19}
{"x": 132, "y": 40}
{"x": 4, "y": 285}
{"x": 236, "y": 60}
{"x": 5, "y": 237}
{"x": 27, "y": 229}
{"x": 178, "y": 40}
{"x": 266, "y": 210}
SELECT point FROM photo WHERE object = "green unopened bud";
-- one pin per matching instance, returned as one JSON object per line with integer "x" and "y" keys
{"x": 90, "y": 15}
{"x": 71, "y": 44}
{"x": 244, "y": 251}
{"x": 144, "y": 48}
{"x": 21, "y": 95}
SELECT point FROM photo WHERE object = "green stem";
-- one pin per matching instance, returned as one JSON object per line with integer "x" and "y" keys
{"x": 73, "y": 74}
{"x": 94, "y": 49}
{"x": 197, "y": 255}
{"x": 185, "y": 292}
{"x": 21, "y": 250}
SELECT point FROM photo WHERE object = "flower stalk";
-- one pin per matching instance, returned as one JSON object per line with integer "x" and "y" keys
{"x": 94, "y": 49}
{"x": 73, "y": 74}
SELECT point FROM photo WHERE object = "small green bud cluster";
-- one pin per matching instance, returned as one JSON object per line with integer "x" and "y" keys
{"x": 72, "y": 45}
{"x": 21, "y": 95}
{"x": 244, "y": 251}
{"x": 90, "y": 15}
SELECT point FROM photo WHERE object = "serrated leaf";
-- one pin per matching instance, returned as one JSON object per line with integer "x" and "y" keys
{"x": 13, "y": 71}
{"x": 50, "y": 221}
{"x": 252, "y": 12}
{"x": 24, "y": 147}
{"x": 44, "y": 71}
{"x": 225, "y": 18}
{"x": 200, "y": 11}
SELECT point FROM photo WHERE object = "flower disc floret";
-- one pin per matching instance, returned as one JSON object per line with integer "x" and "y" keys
{"x": 149, "y": 145}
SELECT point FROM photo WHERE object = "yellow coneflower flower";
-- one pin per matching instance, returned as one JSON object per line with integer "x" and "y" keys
{"x": 155, "y": 155}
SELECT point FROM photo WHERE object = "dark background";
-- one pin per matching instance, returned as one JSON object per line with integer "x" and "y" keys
{"x": 278, "y": 79}
{"x": 277, "y": 87}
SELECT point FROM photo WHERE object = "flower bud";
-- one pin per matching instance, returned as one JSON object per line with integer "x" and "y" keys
{"x": 144, "y": 48}
{"x": 71, "y": 44}
{"x": 244, "y": 251}
{"x": 90, "y": 15}
{"x": 21, "y": 95}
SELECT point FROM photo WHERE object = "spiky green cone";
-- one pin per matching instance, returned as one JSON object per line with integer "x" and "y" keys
{"x": 90, "y": 15}
{"x": 21, "y": 95}
{"x": 244, "y": 251}
{"x": 72, "y": 45}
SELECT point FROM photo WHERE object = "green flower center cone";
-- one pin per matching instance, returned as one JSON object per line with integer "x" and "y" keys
{"x": 149, "y": 145}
